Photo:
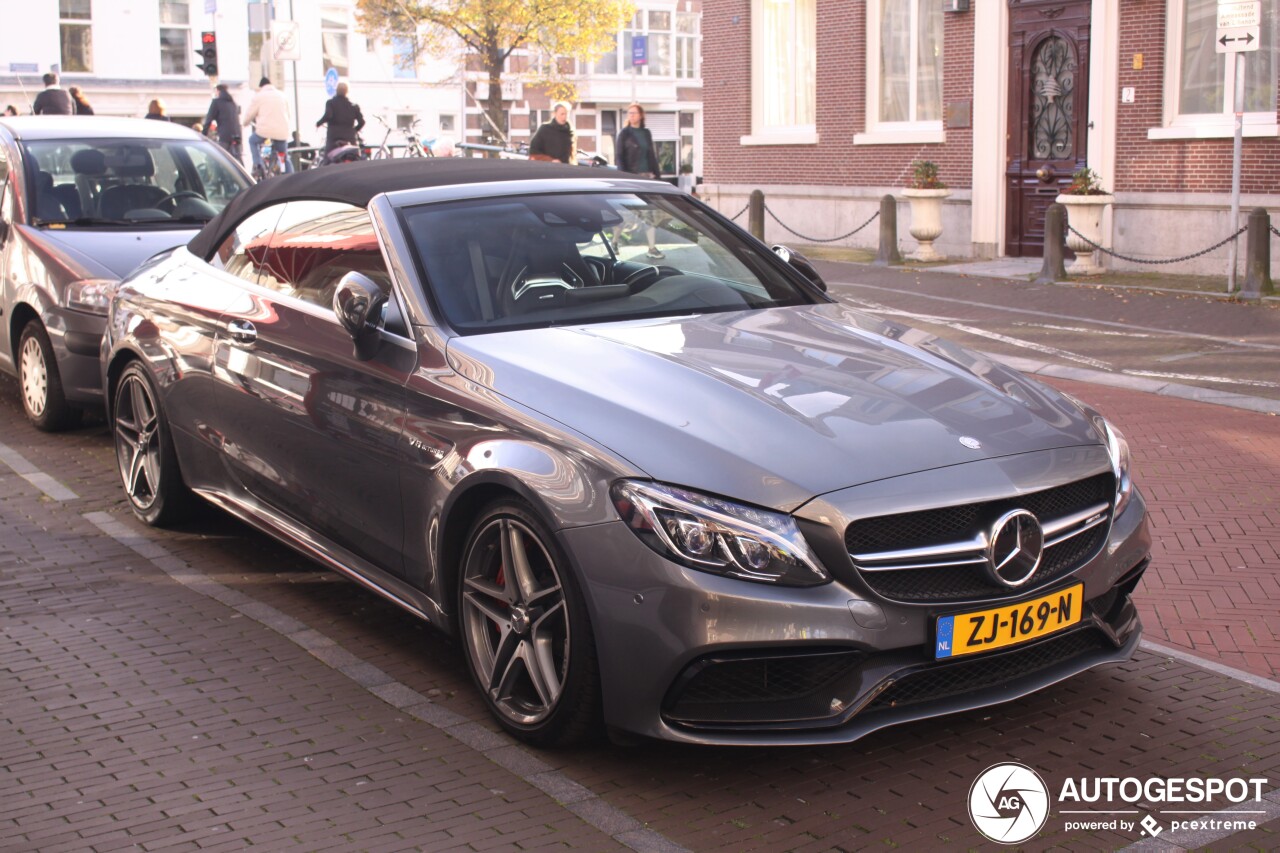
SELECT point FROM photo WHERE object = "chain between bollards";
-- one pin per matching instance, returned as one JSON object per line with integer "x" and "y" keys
{"x": 785, "y": 227}
{"x": 1133, "y": 260}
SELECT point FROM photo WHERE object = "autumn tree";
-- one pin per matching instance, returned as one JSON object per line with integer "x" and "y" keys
{"x": 492, "y": 30}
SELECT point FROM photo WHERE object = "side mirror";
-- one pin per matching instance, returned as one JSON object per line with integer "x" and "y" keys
{"x": 801, "y": 264}
{"x": 358, "y": 303}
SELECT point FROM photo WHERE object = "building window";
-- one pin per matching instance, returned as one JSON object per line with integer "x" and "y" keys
{"x": 405, "y": 53}
{"x": 333, "y": 39}
{"x": 175, "y": 37}
{"x": 904, "y": 72}
{"x": 1208, "y": 78}
{"x": 784, "y": 40}
{"x": 447, "y": 122}
{"x": 75, "y": 33}
{"x": 688, "y": 53}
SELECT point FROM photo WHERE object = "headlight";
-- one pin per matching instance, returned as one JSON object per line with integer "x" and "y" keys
{"x": 92, "y": 295}
{"x": 1117, "y": 450}
{"x": 715, "y": 535}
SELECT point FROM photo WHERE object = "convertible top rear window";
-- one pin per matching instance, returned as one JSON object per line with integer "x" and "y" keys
{"x": 567, "y": 259}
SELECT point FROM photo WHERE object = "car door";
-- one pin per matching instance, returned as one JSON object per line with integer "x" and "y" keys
{"x": 6, "y": 245}
{"x": 313, "y": 431}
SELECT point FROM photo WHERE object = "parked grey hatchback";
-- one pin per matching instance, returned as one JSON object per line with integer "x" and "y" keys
{"x": 692, "y": 498}
{"x": 84, "y": 200}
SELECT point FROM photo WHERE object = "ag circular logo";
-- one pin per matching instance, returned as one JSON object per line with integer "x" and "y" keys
{"x": 1008, "y": 803}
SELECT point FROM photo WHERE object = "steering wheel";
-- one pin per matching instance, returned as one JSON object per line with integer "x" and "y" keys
{"x": 641, "y": 278}
{"x": 172, "y": 199}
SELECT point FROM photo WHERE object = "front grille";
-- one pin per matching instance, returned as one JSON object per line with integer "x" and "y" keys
{"x": 762, "y": 689}
{"x": 961, "y": 524}
{"x": 957, "y": 677}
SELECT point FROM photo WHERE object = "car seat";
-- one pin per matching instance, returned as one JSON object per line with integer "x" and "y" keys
{"x": 118, "y": 200}
{"x": 47, "y": 205}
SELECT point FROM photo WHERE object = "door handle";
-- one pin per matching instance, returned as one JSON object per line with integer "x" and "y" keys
{"x": 242, "y": 331}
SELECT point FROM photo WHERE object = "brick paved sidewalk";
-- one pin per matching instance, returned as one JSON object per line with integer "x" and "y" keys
{"x": 136, "y": 711}
{"x": 1211, "y": 476}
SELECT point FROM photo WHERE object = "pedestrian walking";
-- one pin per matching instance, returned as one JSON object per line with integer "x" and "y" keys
{"x": 637, "y": 155}
{"x": 54, "y": 100}
{"x": 80, "y": 103}
{"x": 156, "y": 110}
{"x": 269, "y": 114}
{"x": 343, "y": 118}
{"x": 556, "y": 139}
{"x": 223, "y": 118}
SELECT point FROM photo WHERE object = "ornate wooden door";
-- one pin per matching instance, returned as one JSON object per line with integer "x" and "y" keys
{"x": 1048, "y": 112}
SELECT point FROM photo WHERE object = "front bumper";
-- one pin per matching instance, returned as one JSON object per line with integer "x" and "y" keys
{"x": 658, "y": 625}
{"x": 76, "y": 338}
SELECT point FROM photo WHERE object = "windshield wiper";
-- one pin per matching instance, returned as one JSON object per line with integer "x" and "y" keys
{"x": 98, "y": 220}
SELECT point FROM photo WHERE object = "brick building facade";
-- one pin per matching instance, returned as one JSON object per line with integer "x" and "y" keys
{"x": 1152, "y": 118}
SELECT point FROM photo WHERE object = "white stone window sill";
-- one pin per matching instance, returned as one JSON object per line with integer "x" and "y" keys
{"x": 900, "y": 137}
{"x": 1216, "y": 130}
{"x": 789, "y": 138}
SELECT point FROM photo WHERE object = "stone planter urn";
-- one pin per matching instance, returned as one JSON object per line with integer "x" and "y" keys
{"x": 1084, "y": 214}
{"x": 926, "y": 221}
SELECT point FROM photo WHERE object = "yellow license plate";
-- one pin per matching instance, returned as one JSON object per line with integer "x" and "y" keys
{"x": 998, "y": 627}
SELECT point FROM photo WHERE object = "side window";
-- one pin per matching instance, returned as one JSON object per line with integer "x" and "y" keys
{"x": 244, "y": 251}
{"x": 318, "y": 242}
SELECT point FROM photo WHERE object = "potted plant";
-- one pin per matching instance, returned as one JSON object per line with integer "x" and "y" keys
{"x": 1085, "y": 200}
{"x": 925, "y": 193}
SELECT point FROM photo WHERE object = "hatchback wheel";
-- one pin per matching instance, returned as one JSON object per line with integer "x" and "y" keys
{"x": 42, "y": 398}
{"x": 525, "y": 627}
{"x": 145, "y": 456}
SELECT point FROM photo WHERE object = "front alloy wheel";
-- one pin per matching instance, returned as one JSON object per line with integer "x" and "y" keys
{"x": 144, "y": 451}
{"x": 528, "y": 640}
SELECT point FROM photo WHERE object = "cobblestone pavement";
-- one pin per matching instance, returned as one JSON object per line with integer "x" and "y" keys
{"x": 205, "y": 687}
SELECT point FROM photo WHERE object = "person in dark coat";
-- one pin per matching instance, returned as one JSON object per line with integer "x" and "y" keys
{"x": 555, "y": 140}
{"x": 224, "y": 113}
{"x": 54, "y": 100}
{"x": 637, "y": 154}
{"x": 343, "y": 118}
{"x": 80, "y": 102}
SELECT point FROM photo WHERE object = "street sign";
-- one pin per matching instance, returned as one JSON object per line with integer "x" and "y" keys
{"x": 1239, "y": 27}
{"x": 24, "y": 68}
{"x": 639, "y": 50}
{"x": 1237, "y": 40}
{"x": 284, "y": 41}
{"x": 331, "y": 82}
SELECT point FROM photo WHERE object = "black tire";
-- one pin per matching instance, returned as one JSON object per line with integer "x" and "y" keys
{"x": 40, "y": 382}
{"x": 145, "y": 457}
{"x": 540, "y": 615}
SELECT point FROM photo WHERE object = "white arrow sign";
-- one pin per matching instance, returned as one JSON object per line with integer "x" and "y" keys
{"x": 1238, "y": 40}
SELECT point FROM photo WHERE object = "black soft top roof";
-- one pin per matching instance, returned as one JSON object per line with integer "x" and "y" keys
{"x": 357, "y": 183}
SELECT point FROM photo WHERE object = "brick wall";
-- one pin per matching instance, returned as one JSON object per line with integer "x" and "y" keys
{"x": 1173, "y": 165}
{"x": 841, "y": 105}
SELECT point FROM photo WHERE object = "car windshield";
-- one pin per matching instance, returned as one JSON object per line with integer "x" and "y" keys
{"x": 568, "y": 259}
{"x": 156, "y": 183}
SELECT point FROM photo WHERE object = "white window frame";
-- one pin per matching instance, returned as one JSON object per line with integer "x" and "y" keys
{"x": 893, "y": 132}
{"x": 761, "y": 134}
{"x": 87, "y": 23}
{"x": 333, "y": 13}
{"x": 1201, "y": 125}
{"x": 189, "y": 52}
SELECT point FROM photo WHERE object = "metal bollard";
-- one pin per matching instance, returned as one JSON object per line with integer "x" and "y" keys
{"x": 1257, "y": 257}
{"x": 755, "y": 214}
{"x": 1055, "y": 229}
{"x": 888, "y": 233}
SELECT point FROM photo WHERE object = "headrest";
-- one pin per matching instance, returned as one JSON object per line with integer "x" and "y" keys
{"x": 131, "y": 162}
{"x": 89, "y": 161}
{"x": 45, "y": 181}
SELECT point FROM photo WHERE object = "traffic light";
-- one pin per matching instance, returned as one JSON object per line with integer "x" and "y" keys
{"x": 209, "y": 53}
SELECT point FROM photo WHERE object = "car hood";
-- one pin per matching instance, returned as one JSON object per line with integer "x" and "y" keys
{"x": 773, "y": 406}
{"x": 108, "y": 253}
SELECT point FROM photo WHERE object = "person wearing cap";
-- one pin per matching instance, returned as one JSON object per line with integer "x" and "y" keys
{"x": 269, "y": 114}
{"x": 556, "y": 139}
{"x": 224, "y": 115}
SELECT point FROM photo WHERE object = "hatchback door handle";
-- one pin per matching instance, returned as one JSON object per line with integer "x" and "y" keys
{"x": 242, "y": 331}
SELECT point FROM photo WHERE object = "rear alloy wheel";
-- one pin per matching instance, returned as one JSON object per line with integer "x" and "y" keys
{"x": 42, "y": 397}
{"x": 145, "y": 456}
{"x": 524, "y": 624}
